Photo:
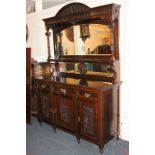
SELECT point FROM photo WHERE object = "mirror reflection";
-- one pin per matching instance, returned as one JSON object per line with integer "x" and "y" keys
{"x": 92, "y": 69}
{"x": 84, "y": 39}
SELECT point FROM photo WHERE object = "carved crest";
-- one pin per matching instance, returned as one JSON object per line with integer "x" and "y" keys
{"x": 72, "y": 8}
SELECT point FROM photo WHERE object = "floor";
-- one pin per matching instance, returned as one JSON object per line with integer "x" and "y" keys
{"x": 41, "y": 140}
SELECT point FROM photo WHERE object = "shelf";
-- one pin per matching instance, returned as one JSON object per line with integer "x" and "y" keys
{"x": 89, "y": 77}
{"x": 85, "y": 58}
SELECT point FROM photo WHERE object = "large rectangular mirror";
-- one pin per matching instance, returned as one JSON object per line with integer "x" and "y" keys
{"x": 84, "y": 39}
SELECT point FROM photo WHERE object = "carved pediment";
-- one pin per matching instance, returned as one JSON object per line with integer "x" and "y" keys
{"x": 72, "y": 8}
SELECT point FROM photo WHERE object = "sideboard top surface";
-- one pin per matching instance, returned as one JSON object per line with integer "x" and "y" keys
{"x": 76, "y": 82}
{"x": 79, "y": 82}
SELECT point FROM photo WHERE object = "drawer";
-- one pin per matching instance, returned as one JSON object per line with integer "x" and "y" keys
{"x": 64, "y": 90}
{"x": 44, "y": 86}
{"x": 88, "y": 93}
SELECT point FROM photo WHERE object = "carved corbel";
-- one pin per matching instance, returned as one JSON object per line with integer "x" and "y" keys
{"x": 112, "y": 70}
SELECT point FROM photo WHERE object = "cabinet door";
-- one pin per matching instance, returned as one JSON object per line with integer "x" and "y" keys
{"x": 65, "y": 111}
{"x": 88, "y": 120}
{"x": 44, "y": 104}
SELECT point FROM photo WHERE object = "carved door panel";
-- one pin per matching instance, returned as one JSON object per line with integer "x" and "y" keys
{"x": 65, "y": 114}
{"x": 88, "y": 118}
{"x": 45, "y": 103}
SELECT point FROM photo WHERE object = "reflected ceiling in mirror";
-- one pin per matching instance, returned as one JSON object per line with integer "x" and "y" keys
{"x": 84, "y": 39}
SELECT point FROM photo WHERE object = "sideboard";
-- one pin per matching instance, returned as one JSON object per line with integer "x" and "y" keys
{"x": 80, "y": 94}
{"x": 90, "y": 112}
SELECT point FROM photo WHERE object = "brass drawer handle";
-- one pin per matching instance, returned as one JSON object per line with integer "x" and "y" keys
{"x": 87, "y": 95}
{"x": 43, "y": 86}
{"x": 63, "y": 91}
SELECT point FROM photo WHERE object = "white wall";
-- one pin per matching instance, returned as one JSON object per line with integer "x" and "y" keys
{"x": 36, "y": 35}
{"x": 37, "y": 41}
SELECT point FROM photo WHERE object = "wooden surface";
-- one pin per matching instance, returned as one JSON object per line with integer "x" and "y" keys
{"x": 28, "y": 85}
{"x": 86, "y": 106}
{"x": 87, "y": 112}
{"x": 75, "y": 14}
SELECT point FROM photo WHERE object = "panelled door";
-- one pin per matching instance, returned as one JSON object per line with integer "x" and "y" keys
{"x": 65, "y": 107}
{"x": 88, "y": 116}
{"x": 45, "y": 105}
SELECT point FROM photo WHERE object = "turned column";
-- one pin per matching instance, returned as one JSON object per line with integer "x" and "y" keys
{"x": 116, "y": 37}
{"x": 48, "y": 43}
{"x": 111, "y": 27}
{"x": 60, "y": 44}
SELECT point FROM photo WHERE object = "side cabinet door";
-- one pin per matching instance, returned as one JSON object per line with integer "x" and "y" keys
{"x": 88, "y": 119}
{"x": 65, "y": 111}
{"x": 45, "y": 104}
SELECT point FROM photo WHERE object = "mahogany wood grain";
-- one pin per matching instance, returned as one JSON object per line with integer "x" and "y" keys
{"x": 28, "y": 85}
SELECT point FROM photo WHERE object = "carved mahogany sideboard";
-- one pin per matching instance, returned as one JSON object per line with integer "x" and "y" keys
{"x": 81, "y": 94}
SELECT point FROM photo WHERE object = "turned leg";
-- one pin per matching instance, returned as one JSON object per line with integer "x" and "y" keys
{"x": 118, "y": 114}
{"x": 78, "y": 139}
{"x": 101, "y": 148}
{"x": 117, "y": 137}
{"x": 54, "y": 129}
{"x": 40, "y": 121}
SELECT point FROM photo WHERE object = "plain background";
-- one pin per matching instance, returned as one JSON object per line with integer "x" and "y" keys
{"x": 140, "y": 71}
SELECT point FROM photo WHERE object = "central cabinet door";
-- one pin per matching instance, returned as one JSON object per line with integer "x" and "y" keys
{"x": 65, "y": 107}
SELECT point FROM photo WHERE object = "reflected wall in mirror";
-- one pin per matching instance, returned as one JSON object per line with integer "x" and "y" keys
{"x": 85, "y": 39}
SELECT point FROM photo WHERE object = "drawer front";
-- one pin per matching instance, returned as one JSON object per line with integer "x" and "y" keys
{"x": 44, "y": 87}
{"x": 88, "y": 93}
{"x": 64, "y": 90}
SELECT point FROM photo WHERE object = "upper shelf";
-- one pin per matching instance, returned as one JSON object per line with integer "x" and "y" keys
{"x": 86, "y": 58}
